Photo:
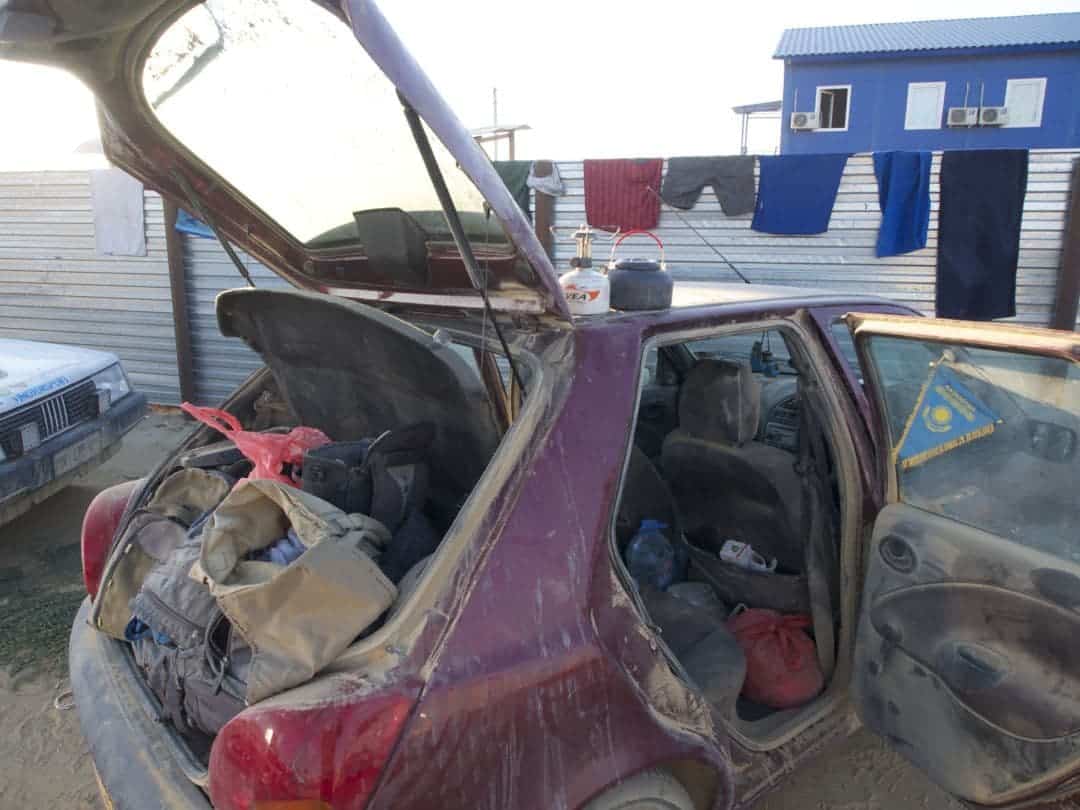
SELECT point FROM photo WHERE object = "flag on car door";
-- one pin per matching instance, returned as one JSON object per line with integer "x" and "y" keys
{"x": 946, "y": 415}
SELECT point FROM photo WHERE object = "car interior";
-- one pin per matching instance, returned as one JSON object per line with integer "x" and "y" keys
{"x": 726, "y": 449}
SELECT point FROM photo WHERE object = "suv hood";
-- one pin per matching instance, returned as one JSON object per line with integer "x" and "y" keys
{"x": 105, "y": 45}
{"x": 31, "y": 370}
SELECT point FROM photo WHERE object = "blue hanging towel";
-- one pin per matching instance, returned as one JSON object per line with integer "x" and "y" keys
{"x": 903, "y": 180}
{"x": 796, "y": 193}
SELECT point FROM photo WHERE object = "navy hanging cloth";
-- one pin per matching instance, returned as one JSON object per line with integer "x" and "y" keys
{"x": 982, "y": 203}
{"x": 796, "y": 193}
{"x": 903, "y": 180}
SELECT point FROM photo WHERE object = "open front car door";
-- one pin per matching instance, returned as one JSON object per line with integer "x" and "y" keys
{"x": 968, "y": 645}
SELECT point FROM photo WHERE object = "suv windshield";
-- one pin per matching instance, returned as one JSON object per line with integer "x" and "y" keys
{"x": 280, "y": 99}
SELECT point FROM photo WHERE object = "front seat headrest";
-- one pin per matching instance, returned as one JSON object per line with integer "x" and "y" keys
{"x": 720, "y": 401}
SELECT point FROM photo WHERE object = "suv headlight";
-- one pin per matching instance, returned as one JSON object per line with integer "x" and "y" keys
{"x": 111, "y": 384}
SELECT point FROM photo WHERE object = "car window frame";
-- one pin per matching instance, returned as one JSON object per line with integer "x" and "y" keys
{"x": 800, "y": 325}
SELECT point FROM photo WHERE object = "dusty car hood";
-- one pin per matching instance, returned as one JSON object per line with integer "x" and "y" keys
{"x": 30, "y": 370}
{"x": 105, "y": 43}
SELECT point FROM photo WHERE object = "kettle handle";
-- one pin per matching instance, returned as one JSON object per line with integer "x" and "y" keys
{"x": 638, "y": 232}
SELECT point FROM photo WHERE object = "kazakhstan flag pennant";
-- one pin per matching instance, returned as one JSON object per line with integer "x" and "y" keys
{"x": 946, "y": 416}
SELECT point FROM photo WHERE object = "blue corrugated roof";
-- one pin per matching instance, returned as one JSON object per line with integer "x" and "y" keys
{"x": 932, "y": 35}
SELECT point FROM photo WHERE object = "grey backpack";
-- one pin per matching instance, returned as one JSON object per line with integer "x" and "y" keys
{"x": 202, "y": 613}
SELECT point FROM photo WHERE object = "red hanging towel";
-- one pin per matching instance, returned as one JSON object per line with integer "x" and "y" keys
{"x": 623, "y": 194}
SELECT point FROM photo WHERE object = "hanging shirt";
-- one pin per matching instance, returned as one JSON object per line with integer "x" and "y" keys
{"x": 544, "y": 177}
{"x": 515, "y": 174}
{"x": 982, "y": 203}
{"x": 903, "y": 180}
{"x": 796, "y": 193}
{"x": 623, "y": 194}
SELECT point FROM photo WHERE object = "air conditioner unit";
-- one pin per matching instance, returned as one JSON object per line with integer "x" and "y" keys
{"x": 993, "y": 116}
{"x": 804, "y": 120}
{"x": 963, "y": 116}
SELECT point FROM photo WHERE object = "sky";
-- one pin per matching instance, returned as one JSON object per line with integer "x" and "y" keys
{"x": 593, "y": 78}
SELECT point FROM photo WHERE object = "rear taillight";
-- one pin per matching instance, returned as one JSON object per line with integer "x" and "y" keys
{"x": 329, "y": 755}
{"x": 99, "y": 525}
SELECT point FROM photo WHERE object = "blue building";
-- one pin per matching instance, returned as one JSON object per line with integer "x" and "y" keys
{"x": 940, "y": 84}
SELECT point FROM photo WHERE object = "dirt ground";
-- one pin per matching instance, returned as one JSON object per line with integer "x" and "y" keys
{"x": 45, "y": 764}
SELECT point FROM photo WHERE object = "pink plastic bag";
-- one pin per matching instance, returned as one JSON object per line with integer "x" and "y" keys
{"x": 269, "y": 452}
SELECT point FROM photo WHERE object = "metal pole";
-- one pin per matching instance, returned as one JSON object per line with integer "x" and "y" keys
{"x": 174, "y": 247}
{"x": 1068, "y": 284}
{"x": 495, "y": 120}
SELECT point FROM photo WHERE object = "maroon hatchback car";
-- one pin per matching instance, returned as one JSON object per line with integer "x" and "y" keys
{"x": 909, "y": 485}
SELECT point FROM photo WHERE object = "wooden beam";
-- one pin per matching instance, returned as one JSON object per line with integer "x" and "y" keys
{"x": 544, "y": 210}
{"x": 1068, "y": 282}
{"x": 174, "y": 245}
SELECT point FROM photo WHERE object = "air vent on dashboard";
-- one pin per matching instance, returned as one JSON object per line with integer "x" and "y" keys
{"x": 782, "y": 427}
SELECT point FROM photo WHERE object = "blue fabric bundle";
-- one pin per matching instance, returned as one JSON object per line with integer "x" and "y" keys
{"x": 796, "y": 193}
{"x": 903, "y": 180}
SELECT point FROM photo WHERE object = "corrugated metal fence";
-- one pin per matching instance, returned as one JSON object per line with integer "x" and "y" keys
{"x": 843, "y": 258}
{"x": 219, "y": 363}
{"x": 54, "y": 287}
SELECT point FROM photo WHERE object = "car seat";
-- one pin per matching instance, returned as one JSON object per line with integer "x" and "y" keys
{"x": 725, "y": 483}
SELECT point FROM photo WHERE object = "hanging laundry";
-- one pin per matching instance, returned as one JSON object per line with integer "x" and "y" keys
{"x": 515, "y": 174}
{"x": 119, "y": 222}
{"x": 544, "y": 177}
{"x": 903, "y": 180}
{"x": 796, "y": 193}
{"x": 982, "y": 203}
{"x": 186, "y": 223}
{"x": 731, "y": 178}
{"x": 623, "y": 194}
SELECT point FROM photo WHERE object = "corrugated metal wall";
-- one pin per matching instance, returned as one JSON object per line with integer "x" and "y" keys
{"x": 843, "y": 258}
{"x": 54, "y": 286}
{"x": 220, "y": 363}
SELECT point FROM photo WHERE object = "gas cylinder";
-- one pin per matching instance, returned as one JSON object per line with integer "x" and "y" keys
{"x": 587, "y": 291}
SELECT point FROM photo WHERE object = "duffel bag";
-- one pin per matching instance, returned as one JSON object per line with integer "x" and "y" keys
{"x": 299, "y": 617}
{"x": 150, "y": 537}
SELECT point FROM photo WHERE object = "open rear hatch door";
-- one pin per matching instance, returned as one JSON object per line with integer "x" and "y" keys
{"x": 296, "y": 129}
{"x": 967, "y": 660}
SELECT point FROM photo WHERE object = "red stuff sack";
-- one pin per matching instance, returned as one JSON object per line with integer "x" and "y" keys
{"x": 782, "y": 669}
{"x": 269, "y": 452}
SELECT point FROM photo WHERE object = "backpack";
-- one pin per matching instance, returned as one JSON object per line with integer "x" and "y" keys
{"x": 386, "y": 478}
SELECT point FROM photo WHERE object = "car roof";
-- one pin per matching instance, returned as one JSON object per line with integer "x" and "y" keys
{"x": 698, "y": 294}
{"x": 711, "y": 293}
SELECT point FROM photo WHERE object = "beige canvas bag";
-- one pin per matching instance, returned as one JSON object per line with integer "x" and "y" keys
{"x": 150, "y": 537}
{"x": 295, "y": 618}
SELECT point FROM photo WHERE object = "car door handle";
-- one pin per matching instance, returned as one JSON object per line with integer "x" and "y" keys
{"x": 973, "y": 666}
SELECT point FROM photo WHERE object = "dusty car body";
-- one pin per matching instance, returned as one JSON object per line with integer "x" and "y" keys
{"x": 63, "y": 410}
{"x": 525, "y": 669}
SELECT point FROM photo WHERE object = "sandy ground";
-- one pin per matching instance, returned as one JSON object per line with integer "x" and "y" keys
{"x": 44, "y": 762}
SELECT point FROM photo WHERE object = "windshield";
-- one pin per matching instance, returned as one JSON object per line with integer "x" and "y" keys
{"x": 279, "y": 98}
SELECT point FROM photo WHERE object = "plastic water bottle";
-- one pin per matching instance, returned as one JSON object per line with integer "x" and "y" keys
{"x": 652, "y": 558}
